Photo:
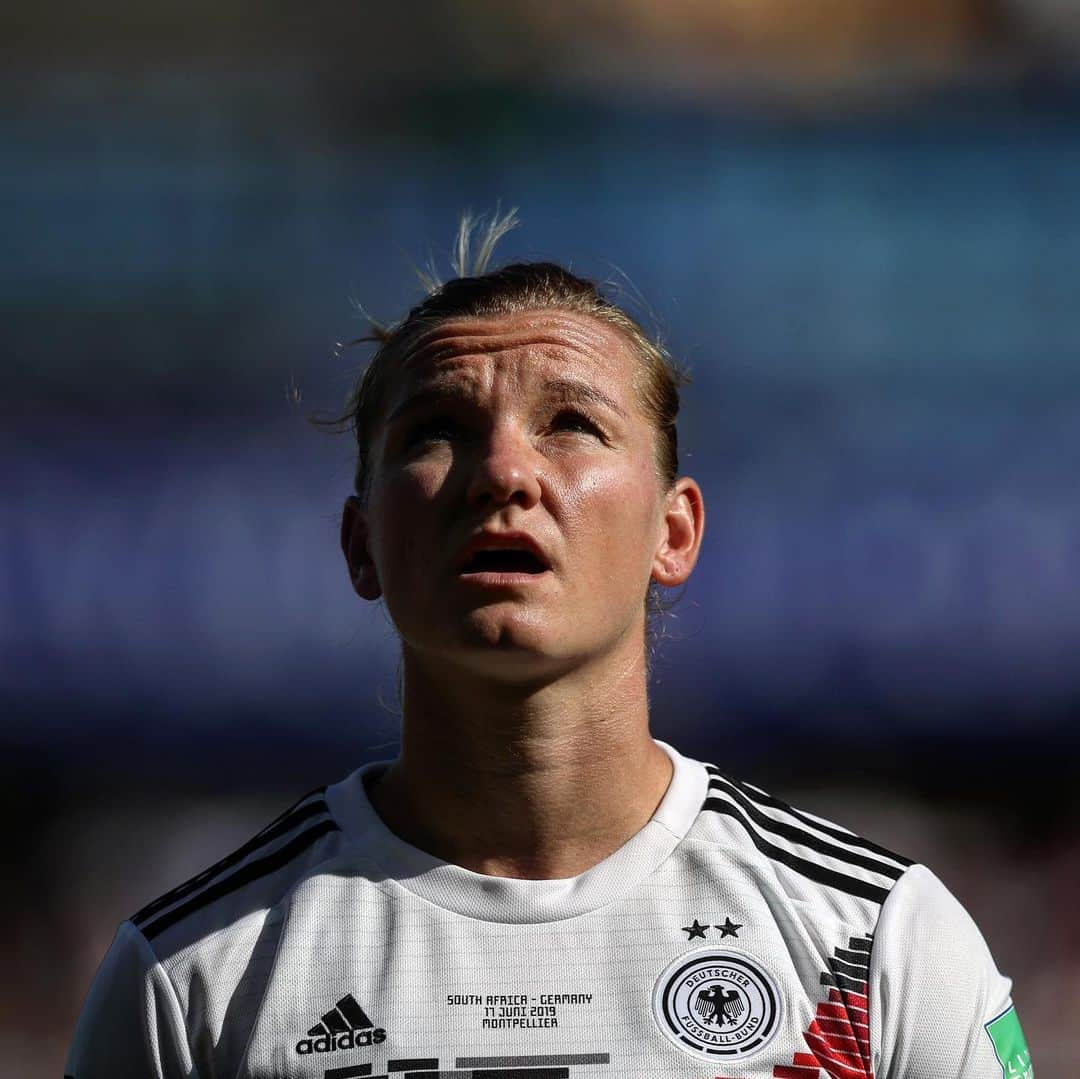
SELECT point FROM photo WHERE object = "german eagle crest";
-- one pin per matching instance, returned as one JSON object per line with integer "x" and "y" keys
{"x": 718, "y": 1003}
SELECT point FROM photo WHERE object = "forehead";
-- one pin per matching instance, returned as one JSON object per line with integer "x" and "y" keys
{"x": 524, "y": 347}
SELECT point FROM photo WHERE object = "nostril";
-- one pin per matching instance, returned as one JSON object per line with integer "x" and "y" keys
{"x": 501, "y": 481}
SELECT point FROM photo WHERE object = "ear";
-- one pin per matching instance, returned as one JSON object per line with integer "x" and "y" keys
{"x": 354, "y": 545}
{"x": 683, "y": 528}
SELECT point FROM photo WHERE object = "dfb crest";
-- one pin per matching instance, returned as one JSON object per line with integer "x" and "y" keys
{"x": 717, "y": 1003}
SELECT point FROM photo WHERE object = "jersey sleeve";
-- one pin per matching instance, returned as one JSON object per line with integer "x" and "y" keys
{"x": 131, "y": 1026}
{"x": 943, "y": 1009}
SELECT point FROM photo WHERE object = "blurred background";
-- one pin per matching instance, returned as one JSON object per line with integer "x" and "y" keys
{"x": 856, "y": 221}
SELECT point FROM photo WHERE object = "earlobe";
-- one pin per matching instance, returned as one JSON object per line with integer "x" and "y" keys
{"x": 354, "y": 545}
{"x": 683, "y": 529}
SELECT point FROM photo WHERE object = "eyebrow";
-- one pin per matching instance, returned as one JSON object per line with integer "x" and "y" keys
{"x": 561, "y": 389}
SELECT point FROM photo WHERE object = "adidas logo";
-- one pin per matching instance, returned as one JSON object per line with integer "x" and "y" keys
{"x": 345, "y": 1026}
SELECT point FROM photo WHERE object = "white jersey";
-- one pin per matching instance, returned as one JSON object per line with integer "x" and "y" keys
{"x": 733, "y": 936}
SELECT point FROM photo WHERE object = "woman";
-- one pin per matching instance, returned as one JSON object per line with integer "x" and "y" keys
{"x": 535, "y": 887}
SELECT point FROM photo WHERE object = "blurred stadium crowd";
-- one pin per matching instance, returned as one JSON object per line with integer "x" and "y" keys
{"x": 855, "y": 221}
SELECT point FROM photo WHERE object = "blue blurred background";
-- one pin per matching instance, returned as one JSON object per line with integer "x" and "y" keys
{"x": 857, "y": 224}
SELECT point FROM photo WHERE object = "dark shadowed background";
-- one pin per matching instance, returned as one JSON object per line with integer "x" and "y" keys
{"x": 856, "y": 223}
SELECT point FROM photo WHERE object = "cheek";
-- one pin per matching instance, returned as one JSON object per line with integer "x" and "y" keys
{"x": 402, "y": 504}
{"x": 613, "y": 510}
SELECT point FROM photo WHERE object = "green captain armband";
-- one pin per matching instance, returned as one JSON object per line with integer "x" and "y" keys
{"x": 1012, "y": 1051}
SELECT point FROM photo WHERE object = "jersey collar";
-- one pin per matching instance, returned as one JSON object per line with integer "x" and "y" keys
{"x": 502, "y": 899}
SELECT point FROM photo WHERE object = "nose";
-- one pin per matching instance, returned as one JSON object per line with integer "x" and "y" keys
{"x": 505, "y": 472}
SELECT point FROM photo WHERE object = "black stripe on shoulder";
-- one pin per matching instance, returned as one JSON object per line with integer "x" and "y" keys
{"x": 296, "y": 814}
{"x": 799, "y": 835}
{"x": 811, "y": 870}
{"x": 852, "y": 840}
{"x": 318, "y": 793}
{"x": 261, "y": 867}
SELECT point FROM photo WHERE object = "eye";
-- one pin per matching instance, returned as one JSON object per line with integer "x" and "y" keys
{"x": 571, "y": 419}
{"x": 433, "y": 429}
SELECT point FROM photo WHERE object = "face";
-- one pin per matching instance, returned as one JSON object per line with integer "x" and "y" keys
{"x": 526, "y": 424}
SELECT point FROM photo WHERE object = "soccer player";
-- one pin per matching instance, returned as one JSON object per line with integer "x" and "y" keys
{"x": 535, "y": 888}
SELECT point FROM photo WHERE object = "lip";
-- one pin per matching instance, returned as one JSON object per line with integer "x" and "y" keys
{"x": 501, "y": 541}
{"x": 488, "y": 579}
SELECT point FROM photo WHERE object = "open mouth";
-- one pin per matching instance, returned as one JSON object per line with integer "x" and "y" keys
{"x": 504, "y": 561}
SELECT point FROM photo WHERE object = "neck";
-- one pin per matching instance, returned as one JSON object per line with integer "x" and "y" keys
{"x": 536, "y": 782}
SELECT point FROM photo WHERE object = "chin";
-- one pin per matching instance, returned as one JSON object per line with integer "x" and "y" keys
{"x": 510, "y": 648}
{"x": 508, "y": 637}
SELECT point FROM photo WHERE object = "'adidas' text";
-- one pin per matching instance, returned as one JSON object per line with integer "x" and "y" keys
{"x": 345, "y": 1026}
{"x": 349, "y": 1039}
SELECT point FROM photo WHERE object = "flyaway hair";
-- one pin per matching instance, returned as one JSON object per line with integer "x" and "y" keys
{"x": 487, "y": 236}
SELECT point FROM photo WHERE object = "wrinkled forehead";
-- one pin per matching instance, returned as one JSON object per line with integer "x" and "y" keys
{"x": 527, "y": 345}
